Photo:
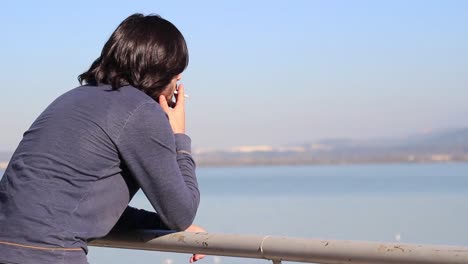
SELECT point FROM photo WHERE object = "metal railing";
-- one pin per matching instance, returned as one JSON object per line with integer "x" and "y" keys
{"x": 278, "y": 248}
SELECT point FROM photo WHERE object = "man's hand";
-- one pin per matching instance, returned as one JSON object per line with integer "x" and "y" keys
{"x": 195, "y": 228}
{"x": 177, "y": 113}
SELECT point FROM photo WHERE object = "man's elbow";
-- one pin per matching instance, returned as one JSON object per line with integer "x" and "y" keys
{"x": 185, "y": 216}
{"x": 185, "y": 219}
{"x": 182, "y": 223}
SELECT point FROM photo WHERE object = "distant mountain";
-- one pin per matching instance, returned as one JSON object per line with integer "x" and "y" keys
{"x": 447, "y": 140}
{"x": 451, "y": 145}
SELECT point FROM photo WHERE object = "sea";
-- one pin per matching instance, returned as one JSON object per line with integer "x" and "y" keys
{"x": 407, "y": 203}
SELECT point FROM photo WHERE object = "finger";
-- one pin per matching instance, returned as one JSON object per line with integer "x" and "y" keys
{"x": 198, "y": 256}
{"x": 180, "y": 99}
{"x": 163, "y": 103}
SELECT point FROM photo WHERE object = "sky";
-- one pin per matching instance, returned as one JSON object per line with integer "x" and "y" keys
{"x": 261, "y": 72}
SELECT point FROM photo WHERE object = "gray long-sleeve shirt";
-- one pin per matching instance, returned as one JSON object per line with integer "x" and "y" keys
{"x": 79, "y": 164}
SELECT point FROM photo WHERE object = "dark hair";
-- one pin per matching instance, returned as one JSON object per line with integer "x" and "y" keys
{"x": 144, "y": 51}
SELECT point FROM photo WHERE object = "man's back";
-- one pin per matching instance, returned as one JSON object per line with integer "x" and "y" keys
{"x": 66, "y": 182}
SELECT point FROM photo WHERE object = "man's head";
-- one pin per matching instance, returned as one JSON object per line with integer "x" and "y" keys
{"x": 147, "y": 52}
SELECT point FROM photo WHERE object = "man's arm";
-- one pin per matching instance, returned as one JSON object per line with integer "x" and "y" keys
{"x": 161, "y": 164}
{"x": 133, "y": 218}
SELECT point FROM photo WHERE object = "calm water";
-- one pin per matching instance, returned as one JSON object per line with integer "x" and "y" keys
{"x": 424, "y": 203}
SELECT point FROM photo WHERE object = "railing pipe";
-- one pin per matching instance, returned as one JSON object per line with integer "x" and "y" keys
{"x": 278, "y": 248}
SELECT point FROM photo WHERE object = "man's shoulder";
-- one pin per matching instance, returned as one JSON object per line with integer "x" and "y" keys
{"x": 108, "y": 108}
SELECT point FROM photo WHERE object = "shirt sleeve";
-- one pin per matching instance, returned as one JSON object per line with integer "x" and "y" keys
{"x": 133, "y": 218}
{"x": 162, "y": 165}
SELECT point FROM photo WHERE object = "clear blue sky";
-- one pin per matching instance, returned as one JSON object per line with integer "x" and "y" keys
{"x": 260, "y": 72}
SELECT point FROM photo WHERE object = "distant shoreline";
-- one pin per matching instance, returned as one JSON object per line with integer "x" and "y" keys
{"x": 3, "y": 165}
{"x": 449, "y": 146}
{"x": 259, "y": 164}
